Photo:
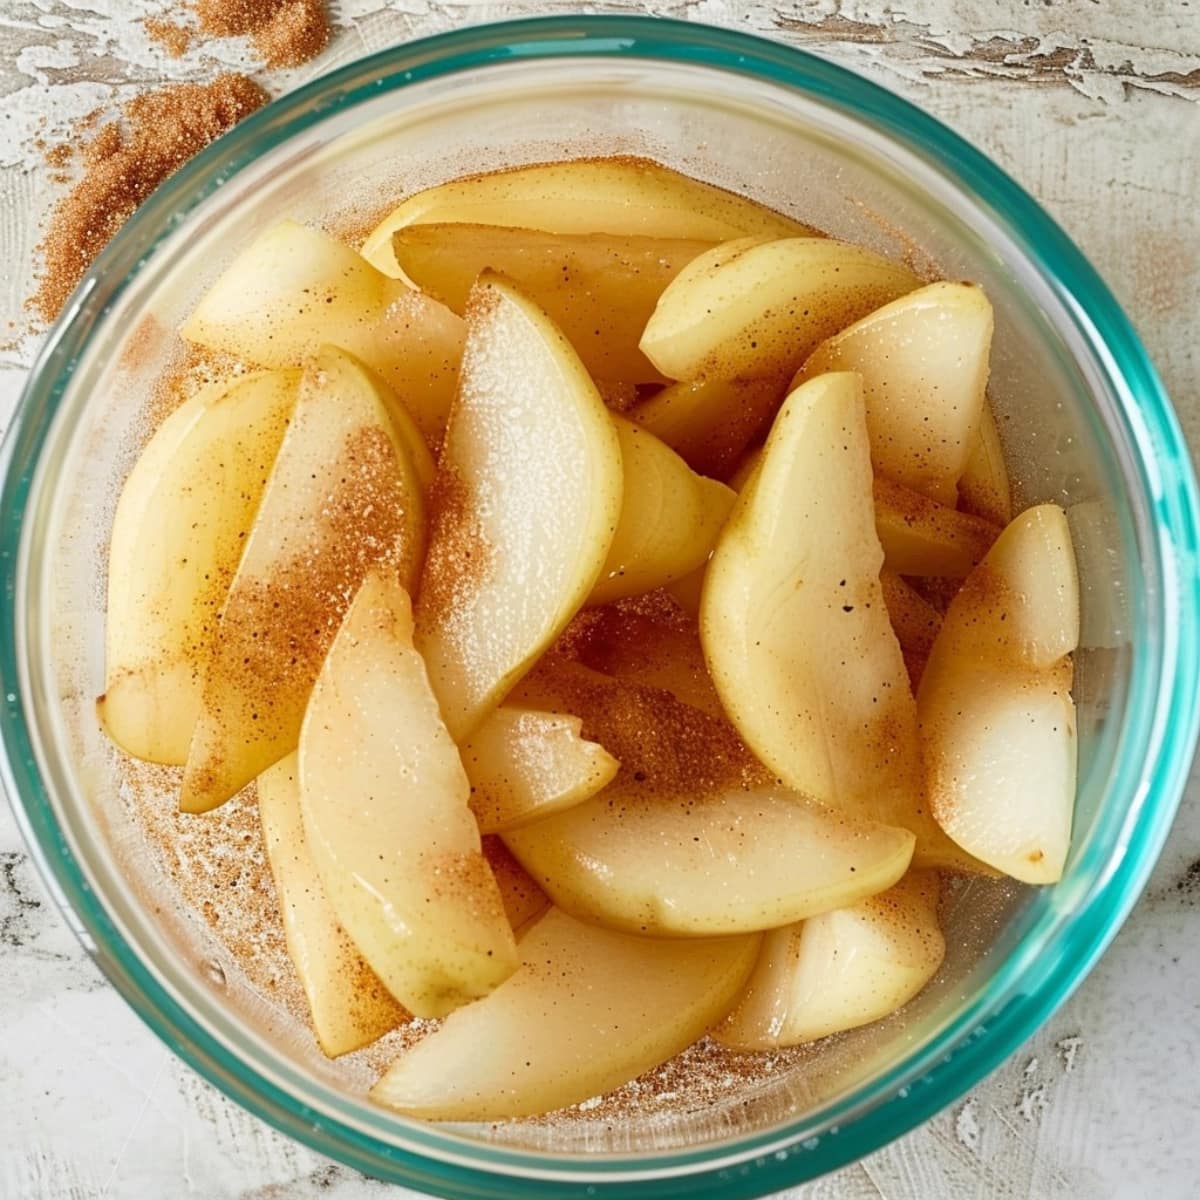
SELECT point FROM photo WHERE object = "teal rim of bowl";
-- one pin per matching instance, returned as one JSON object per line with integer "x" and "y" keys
{"x": 1163, "y": 712}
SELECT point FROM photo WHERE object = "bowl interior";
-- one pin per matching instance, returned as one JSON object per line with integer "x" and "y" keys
{"x": 191, "y": 895}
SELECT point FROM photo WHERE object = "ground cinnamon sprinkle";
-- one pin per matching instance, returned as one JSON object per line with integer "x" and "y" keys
{"x": 123, "y": 163}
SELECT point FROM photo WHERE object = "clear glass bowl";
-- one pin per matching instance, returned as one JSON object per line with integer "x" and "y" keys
{"x": 1084, "y": 418}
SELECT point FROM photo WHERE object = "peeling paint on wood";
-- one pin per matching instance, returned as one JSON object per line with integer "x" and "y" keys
{"x": 1093, "y": 106}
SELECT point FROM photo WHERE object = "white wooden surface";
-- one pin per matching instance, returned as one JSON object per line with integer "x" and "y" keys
{"x": 1093, "y": 105}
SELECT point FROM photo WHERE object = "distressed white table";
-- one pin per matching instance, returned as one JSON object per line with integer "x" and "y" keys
{"x": 1093, "y": 105}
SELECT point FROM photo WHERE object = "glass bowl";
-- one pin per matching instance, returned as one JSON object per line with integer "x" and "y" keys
{"x": 1085, "y": 423}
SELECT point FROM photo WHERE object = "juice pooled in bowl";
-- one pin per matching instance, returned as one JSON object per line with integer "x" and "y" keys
{"x": 610, "y": 592}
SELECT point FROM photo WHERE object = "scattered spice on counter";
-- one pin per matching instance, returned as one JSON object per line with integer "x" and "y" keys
{"x": 121, "y": 164}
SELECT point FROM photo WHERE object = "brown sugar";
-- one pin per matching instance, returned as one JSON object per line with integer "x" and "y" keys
{"x": 285, "y": 32}
{"x": 175, "y": 39}
{"x": 123, "y": 163}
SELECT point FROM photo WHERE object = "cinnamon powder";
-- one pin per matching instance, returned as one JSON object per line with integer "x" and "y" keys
{"x": 122, "y": 163}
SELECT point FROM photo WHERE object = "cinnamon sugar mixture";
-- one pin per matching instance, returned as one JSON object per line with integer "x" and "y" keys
{"x": 122, "y": 163}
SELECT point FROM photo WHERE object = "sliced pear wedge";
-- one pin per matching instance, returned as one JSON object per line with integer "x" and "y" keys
{"x": 841, "y": 969}
{"x": 670, "y": 518}
{"x": 984, "y": 488}
{"x": 524, "y": 765}
{"x": 755, "y": 309}
{"x": 343, "y": 496}
{"x": 997, "y": 717}
{"x": 588, "y": 1010}
{"x": 711, "y": 421}
{"x": 922, "y": 537}
{"x": 924, "y": 365}
{"x": 795, "y": 628}
{"x": 600, "y": 289}
{"x": 349, "y": 1004}
{"x": 385, "y": 803}
{"x": 675, "y": 864}
{"x": 623, "y": 196}
{"x": 525, "y": 505}
{"x": 294, "y": 288}
{"x": 179, "y": 529}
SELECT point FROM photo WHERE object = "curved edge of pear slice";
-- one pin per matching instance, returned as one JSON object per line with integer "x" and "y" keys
{"x": 177, "y": 536}
{"x": 349, "y": 1005}
{"x": 587, "y": 1010}
{"x": 620, "y": 196}
{"x": 525, "y": 504}
{"x": 734, "y": 861}
{"x": 525, "y": 765}
{"x": 840, "y": 970}
{"x": 996, "y": 714}
{"x": 670, "y": 518}
{"x": 756, "y": 308}
{"x": 386, "y": 813}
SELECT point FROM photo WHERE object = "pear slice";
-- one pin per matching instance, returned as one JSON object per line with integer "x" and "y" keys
{"x": 600, "y": 289}
{"x": 344, "y": 496}
{"x": 522, "y": 898}
{"x": 385, "y": 803}
{"x": 922, "y": 537}
{"x": 997, "y": 718}
{"x": 623, "y": 196}
{"x": 709, "y": 422}
{"x": 350, "y": 1006}
{"x": 666, "y": 863}
{"x": 984, "y": 488}
{"x": 294, "y": 288}
{"x": 524, "y": 765}
{"x": 525, "y": 505}
{"x": 755, "y": 309}
{"x": 588, "y": 1010}
{"x": 924, "y": 365}
{"x": 670, "y": 518}
{"x": 841, "y": 969}
{"x": 795, "y": 628}
{"x": 179, "y": 528}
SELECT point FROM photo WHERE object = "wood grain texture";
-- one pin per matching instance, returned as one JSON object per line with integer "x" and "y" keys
{"x": 1094, "y": 105}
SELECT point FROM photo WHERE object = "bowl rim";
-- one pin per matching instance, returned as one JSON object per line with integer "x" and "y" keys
{"x": 907, "y": 1093}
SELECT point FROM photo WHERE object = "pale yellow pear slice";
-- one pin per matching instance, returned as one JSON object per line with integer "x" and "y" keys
{"x": 524, "y": 506}
{"x": 349, "y": 1004}
{"x": 755, "y": 309}
{"x": 997, "y": 717}
{"x": 599, "y": 289}
{"x": 670, "y": 518}
{"x": 386, "y": 811}
{"x": 588, "y": 1010}
{"x": 922, "y": 537}
{"x": 795, "y": 628}
{"x": 178, "y": 533}
{"x": 522, "y": 898}
{"x": 623, "y": 196}
{"x": 524, "y": 765}
{"x": 924, "y": 365}
{"x": 675, "y": 864}
{"x": 344, "y": 496}
{"x": 793, "y": 621}
{"x": 841, "y": 969}
{"x": 295, "y": 288}
{"x": 709, "y": 422}
{"x": 984, "y": 488}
